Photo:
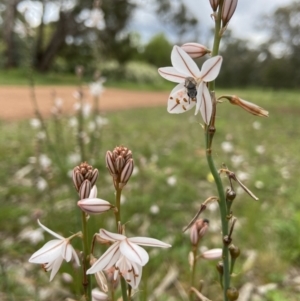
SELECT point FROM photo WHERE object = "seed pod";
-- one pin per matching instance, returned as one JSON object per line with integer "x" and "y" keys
{"x": 232, "y": 294}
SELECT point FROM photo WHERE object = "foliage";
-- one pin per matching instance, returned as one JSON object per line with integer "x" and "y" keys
{"x": 157, "y": 51}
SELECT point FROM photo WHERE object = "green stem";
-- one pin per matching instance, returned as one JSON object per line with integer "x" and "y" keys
{"x": 195, "y": 248}
{"x": 124, "y": 289}
{"x": 86, "y": 282}
{"x": 118, "y": 219}
{"x": 212, "y": 167}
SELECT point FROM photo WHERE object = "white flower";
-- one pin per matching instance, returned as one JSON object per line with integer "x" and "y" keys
{"x": 52, "y": 254}
{"x": 125, "y": 255}
{"x": 185, "y": 68}
{"x": 96, "y": 88}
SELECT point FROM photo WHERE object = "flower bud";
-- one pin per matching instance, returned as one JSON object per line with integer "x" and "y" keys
{"x": 77, "y": 179}
{"x": 83, "y": 172}
{"x": 198, "y": 230}
{"x": 94, "y": 176}
{"x": 126, "y": 172}
{"x": 120, "y": 165}
{"x": 110, "y": 163}
{"x": 232, "y": 294}
{"x": 220, "y": 267}
{"x": 214, "y": 4}
{"x": 97, "y": 295}
{"x": 212, "y": 254}
{"x": 234, "y": 251}
{"x": 85, "y": 189}
{"x": 230, "y": 195}
{"x": 195, "y": 50}
{"x": 246, "y": 105}
{"x": 94, "y": 205}
{"x": 228, "y": 10}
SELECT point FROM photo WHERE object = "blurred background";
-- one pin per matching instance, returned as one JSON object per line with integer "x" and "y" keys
{"x": 64, "y": 53}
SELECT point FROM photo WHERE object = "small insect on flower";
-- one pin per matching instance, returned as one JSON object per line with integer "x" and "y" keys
{"x": 191, "y": 88}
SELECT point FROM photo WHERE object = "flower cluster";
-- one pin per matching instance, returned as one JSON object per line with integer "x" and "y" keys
{"x": 125, "y": 255}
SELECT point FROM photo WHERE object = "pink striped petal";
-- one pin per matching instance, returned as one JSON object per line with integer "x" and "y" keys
{"x": 111, "y": 236}
{"x": 199, "y": 97}
{"x": 54, "y": 267}
{"x": 150, "y": 242}
{"x": 50, "y": 231}
{"x": 171, "y": 74}
{"x": 107, "y": 260}
{"x": 178, "y": 101}
{"x": 133, "y": 252}
{"x": 183, "y": 63}
{"x": 211, "y": 68}
{"x": 49, "y": 252}
{"x": 206, "y": 105}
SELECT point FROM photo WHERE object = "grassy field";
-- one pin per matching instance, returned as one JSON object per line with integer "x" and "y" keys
{"x": 172, "y": 177}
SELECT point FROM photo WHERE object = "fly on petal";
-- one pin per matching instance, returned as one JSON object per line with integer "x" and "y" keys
{"x": 179, "y": 101}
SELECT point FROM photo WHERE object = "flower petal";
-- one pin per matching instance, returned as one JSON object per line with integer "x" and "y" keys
{"x": 49, "y": 252}
{"x": 75, "y": 256}
{"x": 171, "y": 74}
{"x": 111, "y": 236}
{"x": 133, "y": 252}
{"x": 107, "y": 260}
{"x": 183, "y": 63}
{"x": 179, "y": 101}
{"x": 206, "y": 105}
{"x": 212, "y": 254}
{"x": 199, "y": 97}
{"x": 150, "y": 242}
{"x": 67, "y": 252}
{"x": 211, "y": 68}
{"x": 55, "y": 267}
{"x": 134, "y": 277}
{"x": 93, "y": 193}
{"x": 50, "y": 231}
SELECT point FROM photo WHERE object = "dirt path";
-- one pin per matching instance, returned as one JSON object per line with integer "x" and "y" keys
{"x": 16, "y": 104}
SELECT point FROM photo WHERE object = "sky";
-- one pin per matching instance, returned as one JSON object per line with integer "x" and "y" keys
{"x": 243, "y": 23}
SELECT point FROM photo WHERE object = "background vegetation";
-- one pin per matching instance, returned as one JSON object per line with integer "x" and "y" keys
{"x": 171, "y": 177}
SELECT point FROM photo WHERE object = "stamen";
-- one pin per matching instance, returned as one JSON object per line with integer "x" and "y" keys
{"x": 185, "y": 100}
{"x": 184, "y": 107}
{"x": 177, "y": 101}
{"x": 171, "y": 97}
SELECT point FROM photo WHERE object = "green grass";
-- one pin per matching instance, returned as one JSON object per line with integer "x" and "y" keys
{"x": 163, "y": 146}
{"x": 21, "y": 77}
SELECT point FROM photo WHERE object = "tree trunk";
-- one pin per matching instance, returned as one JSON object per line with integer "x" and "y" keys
{"x": 8, "y": 33}
{"x": 65, "y": 26}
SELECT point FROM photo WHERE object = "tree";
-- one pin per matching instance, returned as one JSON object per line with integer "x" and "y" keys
{"x": 8, "y": 32}
{"x": 284, "y": 44}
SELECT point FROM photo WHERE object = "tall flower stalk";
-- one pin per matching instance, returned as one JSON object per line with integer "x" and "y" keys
{"x": 197, "y": 88}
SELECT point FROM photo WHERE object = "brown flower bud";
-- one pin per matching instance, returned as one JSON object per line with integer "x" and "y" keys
{"x": 230, "y": 195}
{"x": 220, "y": 267}
{"x": 195, "y": 50}
{"x": 246, "y": 105}
{"x": 198, "y": 230}
{"x": 120, "y": 165}
{"x": 214, "y": 4}
{"x": 228, "y": 10}
{"x": 232, "y": 294}
{"x": 85, "y": 189}
{"x": 81, "y": 173}
{"x": 126, "y": 172}
{"x": 234, "y": 251}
